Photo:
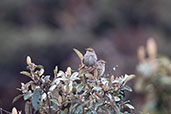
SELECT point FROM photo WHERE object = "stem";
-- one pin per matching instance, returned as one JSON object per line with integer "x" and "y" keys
{"x": 2, "y": 110}
{"x": 115, "y": 108}
{"x": 50, "y": 111}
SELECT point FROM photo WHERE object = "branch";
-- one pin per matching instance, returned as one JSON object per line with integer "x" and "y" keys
{"x": 2, "y": 110}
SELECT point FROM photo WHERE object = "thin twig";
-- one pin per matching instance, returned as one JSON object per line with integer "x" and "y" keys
{"x": 2, "y": 110}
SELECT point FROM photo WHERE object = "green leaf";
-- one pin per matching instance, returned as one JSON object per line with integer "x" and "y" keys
{"x": 67, "y": 88}
{"x": 96, "y": 88}
{"x": 121, "y": 94}
{"x": 47, "y": 78}
{"x": 40, "y": 67}
{"x": 130, "y": 107}
{"x": 25, "y": 73}
{"x": 70, "y": 86}
{"x": 33, "y": 86}
{"x": 66, "y": 110}
{"x": 127, "y": 88}
{"x": 91, "y": 103}
{"x": 125, "y": 112}
{"x": 104, "y": 81}
{"x": 41, "y": 72}
{"x": 60, "y": 74}
{"x": 110, "y": 97}
{"x": 121, "y": 80}
{"x": 36, "y": 99}
{"x": 54, "y": 101}
{"x": 80, "y": 88}
{"x": 62, "y": 112}
{"x": 128, "y": 77}
{"x": 97, "y": 105}
{"x": 73, "y": 108}
{"x": 79, "y": 110}
{"x": 88, "y": 112}
{"x": 117, "y": 99}
{"x": 74, "y": 76}
{"x": 74, "y": 90}
{"x": 52, "y": 87}
{"x": 88, "y": 75}
{"x": 27, "y": 95}
{"x": 16, "y": 98}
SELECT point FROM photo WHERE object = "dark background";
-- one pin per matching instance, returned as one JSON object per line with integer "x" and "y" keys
{"x": 48, "y": 30}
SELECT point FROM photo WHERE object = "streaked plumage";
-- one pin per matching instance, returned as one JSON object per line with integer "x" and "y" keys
{"x": 100, "y": 67}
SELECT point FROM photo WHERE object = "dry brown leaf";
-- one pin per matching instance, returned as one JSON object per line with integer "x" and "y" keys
{"x": 88, "y": 104}
{"x": 60, "y": 99}
{"x": 56, "y": 71}
{"x": 95, "y": 73}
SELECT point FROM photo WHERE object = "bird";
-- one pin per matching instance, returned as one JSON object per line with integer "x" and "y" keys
{"x": 90, "y": 57}
{"x": 100, "y": 67}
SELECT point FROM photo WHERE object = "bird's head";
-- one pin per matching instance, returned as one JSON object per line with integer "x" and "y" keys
{"x": 90, "y": 50}
{"x": 101, "y": 62}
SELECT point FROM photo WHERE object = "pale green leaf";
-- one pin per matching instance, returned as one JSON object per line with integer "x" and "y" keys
{"x": 25, "y": 73}
{"x": 128, "y": 77}
{"x": 16, "y": 98}
{"x": 40, "y": 67}
{"x": 129, "y": 106}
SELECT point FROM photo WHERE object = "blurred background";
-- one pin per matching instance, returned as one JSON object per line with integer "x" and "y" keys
{"x": 48, "y": 30}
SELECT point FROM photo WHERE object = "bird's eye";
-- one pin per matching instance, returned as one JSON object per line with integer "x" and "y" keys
{"x": 90, "y": 50}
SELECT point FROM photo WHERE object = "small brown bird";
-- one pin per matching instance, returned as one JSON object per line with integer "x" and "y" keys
{"x": 100, "y": 67}
{"x": 90, "y": 57}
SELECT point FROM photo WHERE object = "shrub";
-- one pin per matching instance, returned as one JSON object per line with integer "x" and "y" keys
{"x": 74, "y": 91}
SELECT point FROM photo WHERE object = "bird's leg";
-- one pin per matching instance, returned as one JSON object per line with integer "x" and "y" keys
{"x": 81, "y": 67}
{"x": 91, "y": 69}
{"x": 95, "y": 73}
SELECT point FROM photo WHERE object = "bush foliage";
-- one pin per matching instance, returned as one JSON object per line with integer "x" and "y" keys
{"x": 74, "y": 91}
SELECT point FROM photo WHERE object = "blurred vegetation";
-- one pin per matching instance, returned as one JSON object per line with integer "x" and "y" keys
{"x": 154, "y": 80}
{"x": 48, "y": 30}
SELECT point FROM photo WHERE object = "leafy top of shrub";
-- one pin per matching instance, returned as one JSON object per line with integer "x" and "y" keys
{"x": 74, "y": 91}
